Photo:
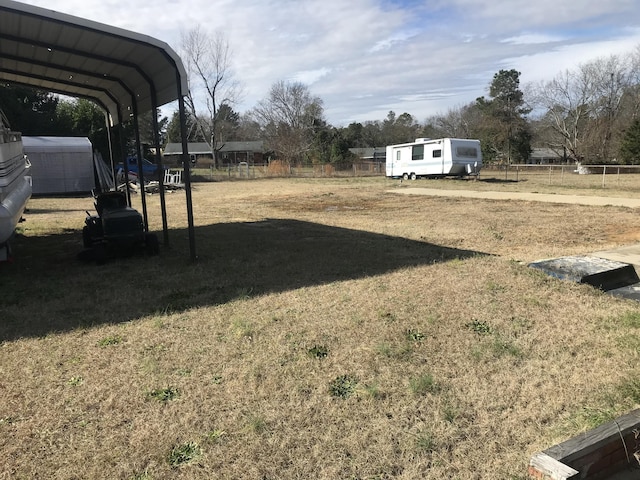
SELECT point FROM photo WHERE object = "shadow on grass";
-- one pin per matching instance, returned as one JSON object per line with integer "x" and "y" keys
{"x": 46, "y": 289}
{"x": 500, "y": 180}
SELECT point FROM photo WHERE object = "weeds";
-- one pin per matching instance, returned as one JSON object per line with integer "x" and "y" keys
{"x": 397, "y": 352}
{"x": 343, "y": 386}
{"x": 141, "y": 476}
{"x": 501, "y": 346}
{"x": 164, "y": 394}
{"x": 76, "y": 381}
{"x": 449, "y": 411}
{"x": 318, "y": 351}
{"x": 215, "y": 436}
{"x": 425, "y": 442}
{"x": 479, "y": 326}
{"x": 373, "y": 391}
{"x": 243, "y": 328}
{"x": 414, "y": 335}
{"x": 183, "y": 454}
{"x": 387, "y": 317}
{"x": 111, "y": 340}
{"x": 257, "y": 424}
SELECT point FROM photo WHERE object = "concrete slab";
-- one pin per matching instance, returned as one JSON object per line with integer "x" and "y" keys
{"x": 599, "y": 272}
{"x": 628, "y": 254}
{"x": 526, "y": 196}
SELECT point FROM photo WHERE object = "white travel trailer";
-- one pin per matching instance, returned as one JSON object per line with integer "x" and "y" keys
{"x": 434, "y": 158}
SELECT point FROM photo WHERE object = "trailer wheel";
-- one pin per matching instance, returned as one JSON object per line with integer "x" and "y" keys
{"x": 405, "y": 176}
{"x": 413, "y": 176}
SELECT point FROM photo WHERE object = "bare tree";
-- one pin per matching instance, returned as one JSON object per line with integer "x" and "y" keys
{"x": 458, "y": 122}
{"x": 290, "y": 116}
{"x": 583, "y": 106}
{"x": 212, "y": 85}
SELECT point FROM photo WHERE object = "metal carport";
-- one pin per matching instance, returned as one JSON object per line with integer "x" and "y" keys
{"x": 124, "y": 72}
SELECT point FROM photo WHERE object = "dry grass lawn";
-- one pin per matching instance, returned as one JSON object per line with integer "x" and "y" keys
{"x": 328, "y": 330}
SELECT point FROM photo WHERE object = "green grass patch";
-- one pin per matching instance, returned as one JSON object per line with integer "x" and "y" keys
{"x": 215, "y": 436}
{"x": 110, "y": 340}
{"x": 184, "y": 453}
{"x": 164, "y": 394}
{"x": 479, "y": 326}
{"x": 424, "y": 384}
{"x": 414, "y": 335}
{"x": 402, "y": 351}
{"x": 630, "y": 389}
{"x": 318, "y": 351}
{"x": 502, "y": 346}
{"x": 343, "y": 386}
{"x": 425, "y": 442}
{"x": 631, "y": 319}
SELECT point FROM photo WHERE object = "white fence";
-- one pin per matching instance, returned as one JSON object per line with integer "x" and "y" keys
{"x": 587, "y": 176}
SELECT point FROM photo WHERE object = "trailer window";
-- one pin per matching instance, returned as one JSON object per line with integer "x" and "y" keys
{"x": 397, "y": 155}
{"x": 417, "y": 152}
{"x": 467, "y": 152}
{"x": 437, "y": 153}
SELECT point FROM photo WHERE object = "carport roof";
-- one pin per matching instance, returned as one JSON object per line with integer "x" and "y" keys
{"x": 123, "y": 71}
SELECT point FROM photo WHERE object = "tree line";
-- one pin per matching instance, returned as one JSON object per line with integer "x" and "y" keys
{"x": 588, "y": 114}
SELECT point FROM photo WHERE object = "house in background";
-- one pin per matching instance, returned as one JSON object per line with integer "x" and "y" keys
{"x": 545, "y": 156}
{"x": 231, "y": 153}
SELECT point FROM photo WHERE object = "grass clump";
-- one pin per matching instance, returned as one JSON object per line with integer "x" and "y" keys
{"x": 502, "y": 346}
{"x": 184, "y": 453}
{"x": 215, "y": 436}
{"x": 141, "y": 476}
{"x": 414, "y": 335}
{"x": 318, "y": 351}
{"x": 479, "y": 326}
{"x": 343, "y": 386}
{"x": 425, "y": 443}
{"x": 110, "y": 340}
{"x": 395, "y": 352}
{"x": 164, "y": 394}
{"x": 76, "y": 381}
{"x": 423, "y": 384}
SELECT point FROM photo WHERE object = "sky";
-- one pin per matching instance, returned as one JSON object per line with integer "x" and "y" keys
{"x": 364, "y": 58}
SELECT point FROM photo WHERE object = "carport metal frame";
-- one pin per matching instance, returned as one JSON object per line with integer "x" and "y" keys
{"x": 124, "y": 72}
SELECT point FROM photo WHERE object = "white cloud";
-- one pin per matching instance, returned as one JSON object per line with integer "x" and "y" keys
{"x": 533, "y": 39}
{"x": 309, "y": 77}
{"x": 366, "y": 57}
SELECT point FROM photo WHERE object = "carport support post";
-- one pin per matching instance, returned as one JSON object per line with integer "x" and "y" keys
{"x": 156, "y": 140}
{"x": 107, "y": 124}
{"x": 187, "y": 172}
{"x": 136, "y": 129}
{"x": 125, "y": 163}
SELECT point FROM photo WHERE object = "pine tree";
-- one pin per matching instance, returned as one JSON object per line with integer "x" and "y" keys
{"x": 630, "y": 145}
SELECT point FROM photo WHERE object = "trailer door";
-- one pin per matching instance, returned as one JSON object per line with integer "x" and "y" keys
{"x": 438, "y": 159}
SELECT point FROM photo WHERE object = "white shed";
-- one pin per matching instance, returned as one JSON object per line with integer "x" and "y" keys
{"x": 60, "y": 164}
